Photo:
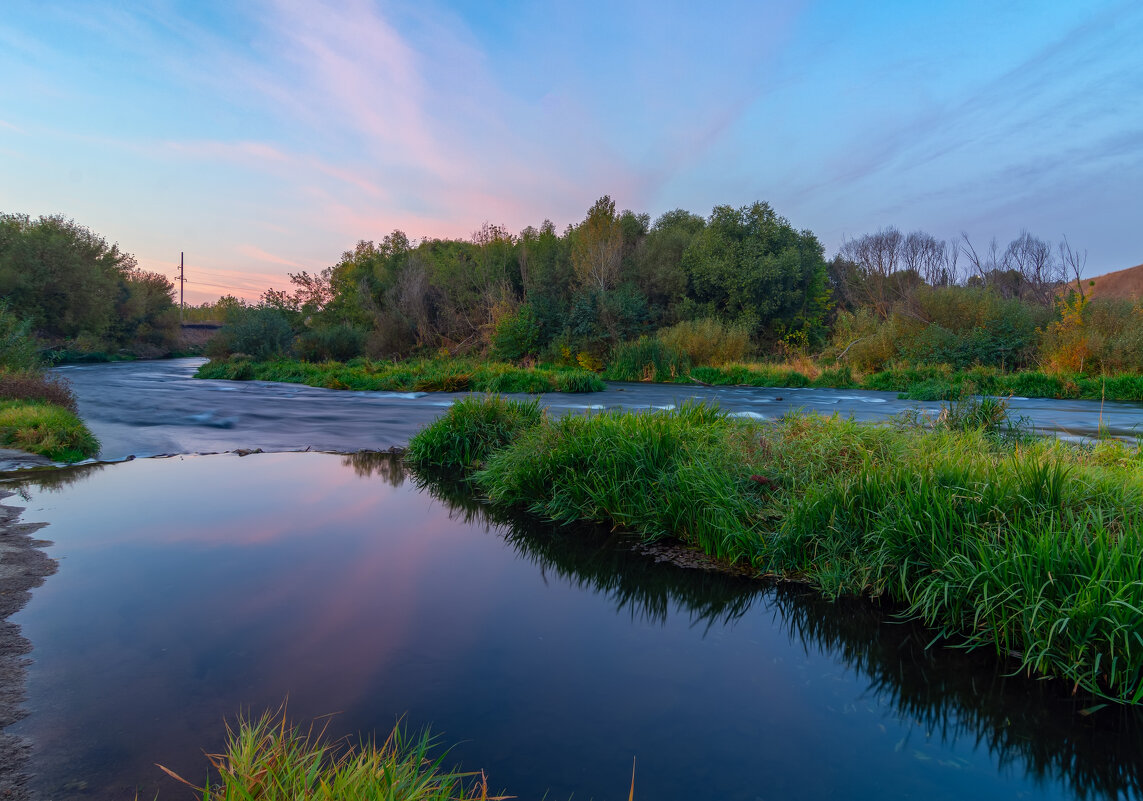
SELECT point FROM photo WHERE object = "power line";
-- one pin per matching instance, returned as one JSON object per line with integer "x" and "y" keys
{"x": 182, "y": 282}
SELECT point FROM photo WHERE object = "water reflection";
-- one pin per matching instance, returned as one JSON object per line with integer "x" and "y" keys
{"x": 51, "y": 479}
{"x": 955, "y": 694}
{"x": 337, "y": 582}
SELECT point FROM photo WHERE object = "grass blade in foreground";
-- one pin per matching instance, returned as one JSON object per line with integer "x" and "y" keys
{"x": 269, "y": 760}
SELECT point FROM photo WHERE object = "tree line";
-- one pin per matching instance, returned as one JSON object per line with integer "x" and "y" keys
{"x": 885, "y": 298}
{"x": 76, "y": 292}
{"x": 741, "y": 274}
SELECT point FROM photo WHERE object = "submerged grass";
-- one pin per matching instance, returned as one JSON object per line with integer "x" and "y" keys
{"x": 268, "y": 760}
{"x": 425, "y": 375}
{"x": 1032, "y": 548}
{"x": 43, "y": 428}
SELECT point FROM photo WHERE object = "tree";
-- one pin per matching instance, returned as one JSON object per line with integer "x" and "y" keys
{"x": 597, "y": 247}
{"x": 753, "y": 267}
{"x": 658, "y": 269}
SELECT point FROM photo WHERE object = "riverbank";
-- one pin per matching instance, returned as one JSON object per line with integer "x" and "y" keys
{"x": 931, "y": 383}
{"x": 1032, "y": 548}
{"x": 421, "y": 375}
{"x": 23, "y": 567}
{"x": 935, "y": 383}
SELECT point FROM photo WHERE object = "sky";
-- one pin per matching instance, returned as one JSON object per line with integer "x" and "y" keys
{"x": 264, "y": 137}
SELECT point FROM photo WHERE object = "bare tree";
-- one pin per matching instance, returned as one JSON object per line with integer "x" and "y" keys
{"x": 1034, "y": 260}
{"x": 1073, "y": 264}
{"x": 877, "y": 258}
{"x": 924, "y": 254}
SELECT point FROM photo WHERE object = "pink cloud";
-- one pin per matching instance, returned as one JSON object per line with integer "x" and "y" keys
{"x": 252, "y": 252}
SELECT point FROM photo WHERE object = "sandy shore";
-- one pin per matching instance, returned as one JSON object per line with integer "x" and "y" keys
{"x": 23, "y": 566}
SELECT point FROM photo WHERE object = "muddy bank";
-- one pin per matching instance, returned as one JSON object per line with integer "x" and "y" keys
{"x": 23, "y": 566}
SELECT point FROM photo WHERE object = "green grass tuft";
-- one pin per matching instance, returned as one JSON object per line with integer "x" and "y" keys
{"x": 45, "y": 429}
{"x": 269, "y": 760}
{"x": 472, "y": 428}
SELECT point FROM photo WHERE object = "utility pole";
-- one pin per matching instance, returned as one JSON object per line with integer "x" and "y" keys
{"x": 182, "y": 281}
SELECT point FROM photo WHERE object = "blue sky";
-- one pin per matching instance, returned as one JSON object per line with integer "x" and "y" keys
{"x": 267, "y": 136}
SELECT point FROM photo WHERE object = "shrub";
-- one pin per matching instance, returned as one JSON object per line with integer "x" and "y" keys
{"x": 18, "y": 349}
{"x": 36, "y": 385}
{"x": 259, "y": 332}
{"x": 339, "y": 343}
{"x": 647, "y": 359}
{"x": 707, "y": 342}
{"x": 516, "y": 335}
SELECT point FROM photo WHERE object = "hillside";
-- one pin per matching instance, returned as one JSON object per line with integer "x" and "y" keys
{"x": 1120, "y": 284}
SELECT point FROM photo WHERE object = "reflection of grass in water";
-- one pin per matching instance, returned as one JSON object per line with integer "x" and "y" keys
{"x": 594, "y": 558}
{"x": 269, "y": 759}
{"x": 961, "y": 695}
{"x": 384, "y": 464}
{"x": 955, "y": 693}
{"x": 48, "y": 479}
{"x": 1031, "y": 548}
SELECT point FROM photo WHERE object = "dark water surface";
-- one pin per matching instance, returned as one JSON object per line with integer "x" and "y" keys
{"x": 192, "y": 587}
{"x": 150, "y": 408}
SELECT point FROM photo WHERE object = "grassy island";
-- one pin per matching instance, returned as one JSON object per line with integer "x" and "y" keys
{"x": 1032, "y": 548}
{"x": 418, "y": 375}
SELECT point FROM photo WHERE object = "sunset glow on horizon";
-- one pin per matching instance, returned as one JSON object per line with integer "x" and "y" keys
{"x": 268, "y": 137}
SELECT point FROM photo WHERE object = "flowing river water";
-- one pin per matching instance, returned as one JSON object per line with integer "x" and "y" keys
{"x": 191, "y": 588}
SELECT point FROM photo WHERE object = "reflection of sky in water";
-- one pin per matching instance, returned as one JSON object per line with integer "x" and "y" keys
{"x": 191, "y": 588}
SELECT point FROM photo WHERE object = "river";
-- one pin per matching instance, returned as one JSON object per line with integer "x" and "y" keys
{"x": 157, "y": 407}
{"x": 194, "y": 587}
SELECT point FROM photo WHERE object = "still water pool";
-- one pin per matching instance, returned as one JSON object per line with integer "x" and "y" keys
{"x": 192, "y": 588}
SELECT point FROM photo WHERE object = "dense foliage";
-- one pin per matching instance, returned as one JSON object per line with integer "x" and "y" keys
{"x": 76, "y": 292}
{"x": 659, "y": 301}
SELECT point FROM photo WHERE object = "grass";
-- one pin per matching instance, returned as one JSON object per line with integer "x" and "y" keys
{"x": 647, "y": 359}
{"x": 48, "y": 430}
{"x": 1031, "y": 548}
{"x": 423, "y": 375}
{"x": 934, "y": 383}
{"x": 478, "y": 427}
{"x": 268, "y": 760}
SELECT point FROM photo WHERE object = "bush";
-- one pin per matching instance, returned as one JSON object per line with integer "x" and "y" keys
{"x": 647, "y": 359}
{"x": 18, "y": 349}
{"x": 259, "y": 332}
{"x": 516, "y": 335}
{"x": 35, "y": 385}
{"x": 707, "y": 342}
{"x": 339, "y": 343}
